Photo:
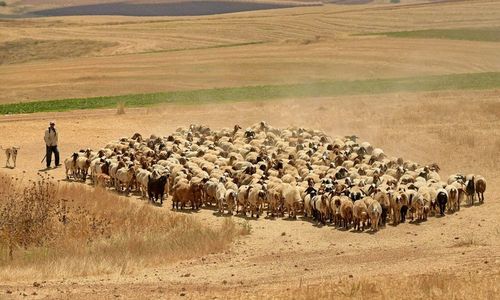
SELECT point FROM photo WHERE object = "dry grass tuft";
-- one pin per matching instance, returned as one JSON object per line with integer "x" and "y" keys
{"x": 51, "y": 230}
{"x": 470, "y": 240}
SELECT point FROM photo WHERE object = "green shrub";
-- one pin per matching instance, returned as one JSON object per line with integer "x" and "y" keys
{"x": 2, "y": 4}
{"x": 395, "y": 1}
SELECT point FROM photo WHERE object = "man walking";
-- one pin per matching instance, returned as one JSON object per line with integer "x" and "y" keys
{"x": 51, "y": 143}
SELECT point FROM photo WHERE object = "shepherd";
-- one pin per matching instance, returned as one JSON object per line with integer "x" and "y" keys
{"x": 51, "y": 144}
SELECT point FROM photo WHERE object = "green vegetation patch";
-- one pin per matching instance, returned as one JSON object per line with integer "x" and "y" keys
{"x": 24, "y": 50}
{"x": 469, "y": 81}
{"x": 491, "y": 34}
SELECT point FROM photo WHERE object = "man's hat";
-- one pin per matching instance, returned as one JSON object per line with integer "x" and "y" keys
{"x": 52, "y": 123}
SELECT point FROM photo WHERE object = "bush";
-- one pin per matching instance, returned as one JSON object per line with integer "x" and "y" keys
{"x": 3, "y": 4}
{"x": 52, "y": 229}
{"x": 395, "y": 1}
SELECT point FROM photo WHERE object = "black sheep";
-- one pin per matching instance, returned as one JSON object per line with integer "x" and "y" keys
{"x": 442, "y": 199}
{"x": 156, "y": 188}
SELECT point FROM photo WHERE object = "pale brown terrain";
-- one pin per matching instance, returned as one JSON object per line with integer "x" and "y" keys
{"x": 454, "y": 257}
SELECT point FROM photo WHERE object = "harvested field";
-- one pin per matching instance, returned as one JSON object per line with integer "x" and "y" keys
{"x": 292, "y": 46}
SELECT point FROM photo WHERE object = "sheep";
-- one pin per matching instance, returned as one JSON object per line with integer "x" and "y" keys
{"x": 274, "y": 199}
{"x": 230, "y": 199}
{"x": 418, "y": 206}
{"x": 291, "y": 196}
{"x": 156, "y": 187}
{"x": 182, "y": 193}
{"x": 103, "y": 180}
{"x": 220, "y": 196}
{"x": 97, "y": 167}
{"x": 374, "y": 212}
{"x": 456, "y": 177}
{"x": 346, "y": 211}
{"x": 360, "y": 214}
{"x": 243, "y": 192}
{"x": 462, "y": 194}
{"x": 307, "y": 205}
{"x": 124, "y": 177}
{"x": 255, "y": 198}
{"x": 210, "y": 190}
{"x": 269, "y": 168}
{"x": 442, "y": 199}
{"x": 113, "y": 168}
{"x": 82, "y": 165}
{"x": 384, "y": 200}
{"x": 70, "y": 165}
{"x": 470, "y": 188}
{"x": 399, "y": 207}
{"x": 319, "y": 208}
{"x": 452, "y": 197}
{"x": 426, "y": 197}
{"x": 480, "y": 187}
{"x": 335, "y": 203}
{"x": 143, "y": 181}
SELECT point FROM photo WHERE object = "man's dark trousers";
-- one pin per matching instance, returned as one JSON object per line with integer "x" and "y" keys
{"x": 50, "y": 150}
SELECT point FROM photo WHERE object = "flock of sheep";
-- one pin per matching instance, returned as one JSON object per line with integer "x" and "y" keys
{"x": 280, "y": 171}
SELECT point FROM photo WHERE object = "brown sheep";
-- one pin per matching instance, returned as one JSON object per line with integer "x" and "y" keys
{"x": 480, "y": 186}
{"x": 182, "y": 194}
{"x": 360, "y": 214}
{"x": 346, "y": 211}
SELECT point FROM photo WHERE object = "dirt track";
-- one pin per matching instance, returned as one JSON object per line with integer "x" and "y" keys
{"x": 281, "y": 254}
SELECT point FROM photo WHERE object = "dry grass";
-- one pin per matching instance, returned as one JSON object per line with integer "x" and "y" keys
{"x": 51, "y": 230}
{"x": 428, "y": 286}
{"x": 25, "y": 50}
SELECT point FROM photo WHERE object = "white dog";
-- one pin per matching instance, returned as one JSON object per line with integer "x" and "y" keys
{"x": 11, "y": 153}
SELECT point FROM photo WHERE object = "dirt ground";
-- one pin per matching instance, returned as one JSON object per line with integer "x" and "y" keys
{"x": 459, "y": 131}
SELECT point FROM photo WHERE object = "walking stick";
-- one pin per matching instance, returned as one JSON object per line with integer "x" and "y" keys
{"x": 43, "y": 158}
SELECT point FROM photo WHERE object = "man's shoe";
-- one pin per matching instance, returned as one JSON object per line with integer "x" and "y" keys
{"x": 58, "y": 165}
